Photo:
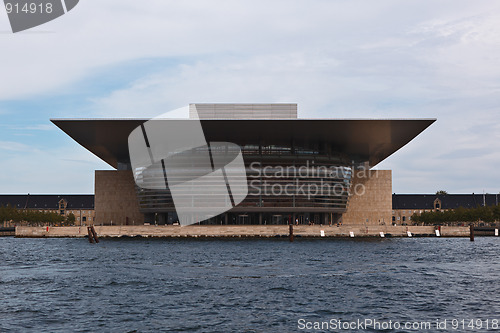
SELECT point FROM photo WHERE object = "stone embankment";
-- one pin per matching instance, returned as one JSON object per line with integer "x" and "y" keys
{"x": 262, "y": 231}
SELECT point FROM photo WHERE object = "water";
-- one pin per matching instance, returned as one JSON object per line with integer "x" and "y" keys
{"x": 151, "y": 285}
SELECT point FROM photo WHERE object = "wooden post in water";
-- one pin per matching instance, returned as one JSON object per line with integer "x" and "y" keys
{"x": 94, "y": 234}
{"x": 91, "y": 237}
{"x": 290, "y": 227}
{"x": 471, "y": 232}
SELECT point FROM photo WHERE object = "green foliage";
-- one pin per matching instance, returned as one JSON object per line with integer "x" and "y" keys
{"x": 441, "y": 192}
{"x": 485, "y": 214}
{"x": 70, "y": 219}
{"x": 33, "y": 217}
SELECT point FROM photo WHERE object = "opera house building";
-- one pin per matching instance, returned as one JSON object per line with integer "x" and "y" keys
{"x": 300, "y": 171}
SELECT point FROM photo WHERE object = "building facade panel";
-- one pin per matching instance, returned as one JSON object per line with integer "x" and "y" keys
{"x": 370, "y": 202}
{"x": 115, "y": 198}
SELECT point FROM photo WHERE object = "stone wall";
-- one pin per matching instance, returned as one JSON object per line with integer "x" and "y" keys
{"x": 115, "y": 198}
{"x": 370, "y": 202}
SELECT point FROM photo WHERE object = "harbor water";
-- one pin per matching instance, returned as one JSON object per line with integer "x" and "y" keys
{"x": 247, "y": 285}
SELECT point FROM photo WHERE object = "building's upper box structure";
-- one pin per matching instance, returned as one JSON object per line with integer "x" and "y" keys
{"x": 243, "y": 111}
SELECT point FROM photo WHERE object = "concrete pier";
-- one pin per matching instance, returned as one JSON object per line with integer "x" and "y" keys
{"x": 259, "y": 231}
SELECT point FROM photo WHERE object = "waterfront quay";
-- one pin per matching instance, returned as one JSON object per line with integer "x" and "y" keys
{"x": 257, "y": 231}
{"x": 7, "y": 231}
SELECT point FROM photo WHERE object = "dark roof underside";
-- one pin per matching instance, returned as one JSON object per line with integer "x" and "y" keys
{"x": 362, "y": 140}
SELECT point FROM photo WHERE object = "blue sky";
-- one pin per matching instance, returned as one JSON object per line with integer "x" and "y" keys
{"x": 336, "y": 59}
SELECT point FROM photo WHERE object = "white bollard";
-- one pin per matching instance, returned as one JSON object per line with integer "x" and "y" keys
{"x": 438, "y": 234}
{"x": 322, "y": 232}
{"x": 351, "y": 233}
{"x": 409, "y": 233}
{"x": 382, "y": 234}
{"x": 496, "y": 232}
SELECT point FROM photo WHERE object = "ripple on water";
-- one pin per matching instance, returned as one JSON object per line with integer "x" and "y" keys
{"x": 139, "y": 285}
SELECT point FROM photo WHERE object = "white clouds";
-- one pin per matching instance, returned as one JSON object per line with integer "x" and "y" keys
{"x": 277, "y": 78}
{"x": 37, "y": 127}
{"x": 463, "y": 53}
{"x": 361, "y": 45}
{"x": 63, "y": 169}
{"x": 16, "y": 146}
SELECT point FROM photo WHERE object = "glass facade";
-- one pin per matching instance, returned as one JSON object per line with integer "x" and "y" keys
{"x": 285, "y": 184}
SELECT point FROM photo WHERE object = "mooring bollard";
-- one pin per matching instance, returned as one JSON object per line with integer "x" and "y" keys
{"x": 91, "y": 237}
{"x": 471, "y": 232}
{"x": 94, "y": 233}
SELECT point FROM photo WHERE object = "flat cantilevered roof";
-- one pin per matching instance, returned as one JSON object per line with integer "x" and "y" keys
{"x": 370, "y": 140}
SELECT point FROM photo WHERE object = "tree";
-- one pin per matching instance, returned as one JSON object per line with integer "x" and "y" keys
{"x": 441, "y": 192}
{"x": 496, "y": 213}
{"x": 461, "y": 214}
{"x": 31, "y": 217}
{"x": 70, "y": 219}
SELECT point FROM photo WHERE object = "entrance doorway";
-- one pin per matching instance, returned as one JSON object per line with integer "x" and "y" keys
{"x": 243, "y": 219}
